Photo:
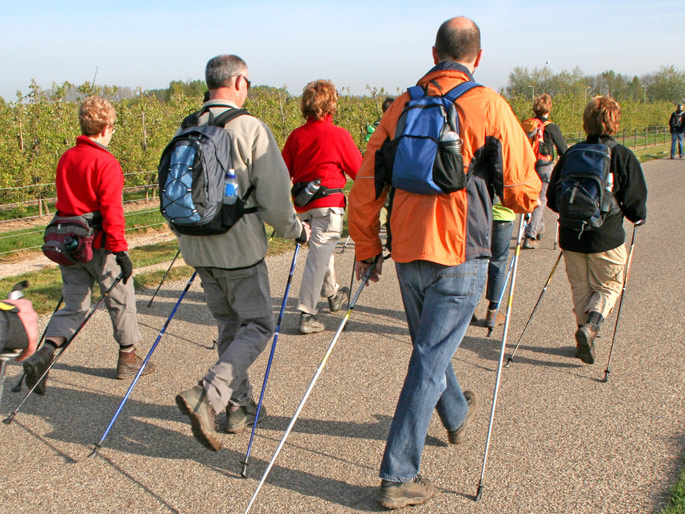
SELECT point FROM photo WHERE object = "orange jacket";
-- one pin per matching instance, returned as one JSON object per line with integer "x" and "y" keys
{"x": 449, "y": 229}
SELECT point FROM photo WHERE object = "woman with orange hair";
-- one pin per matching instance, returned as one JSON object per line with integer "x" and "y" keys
{"x": 596, "y": 258}
{"x": 318, "y": 155}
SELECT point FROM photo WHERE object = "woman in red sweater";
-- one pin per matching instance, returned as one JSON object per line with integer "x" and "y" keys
{"x": 320, "y": 153}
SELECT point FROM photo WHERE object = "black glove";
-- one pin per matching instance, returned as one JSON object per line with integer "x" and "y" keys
{"x": 124, "y": 262}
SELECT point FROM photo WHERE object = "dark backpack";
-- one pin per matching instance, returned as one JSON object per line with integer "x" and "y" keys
{"x": 417, "y": 159}
{"x": 677, "y": 120}
{"x": 584, "y": 188}
{"x": 191, "y": 176}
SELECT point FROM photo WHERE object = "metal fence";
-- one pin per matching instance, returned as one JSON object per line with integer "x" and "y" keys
{"x": 41, "y": 203}
{"x": 636, "y": 139}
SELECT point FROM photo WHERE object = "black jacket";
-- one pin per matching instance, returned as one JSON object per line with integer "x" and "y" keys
{"x": 552, "y": 138}
{"x": 681, "y": 128}
{"x": 630, "y": 191}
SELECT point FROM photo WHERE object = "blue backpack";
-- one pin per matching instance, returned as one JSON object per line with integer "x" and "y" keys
{"x": 584, "y": 188}
{"x": 425, "y": 157}
{"x": 191, "y": 176}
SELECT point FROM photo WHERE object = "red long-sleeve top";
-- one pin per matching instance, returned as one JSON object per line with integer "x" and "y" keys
{"x": 319, "y": 149}
{"x": 90, "y": 179}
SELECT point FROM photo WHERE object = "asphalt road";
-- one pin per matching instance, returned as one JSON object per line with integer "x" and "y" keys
{"x": 562, "y": 440}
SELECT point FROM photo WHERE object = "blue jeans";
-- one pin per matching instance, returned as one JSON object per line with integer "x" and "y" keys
{"x": 497, "y": 269}
{"x": 439, "y": 302}
{"x": 676, "y": 136}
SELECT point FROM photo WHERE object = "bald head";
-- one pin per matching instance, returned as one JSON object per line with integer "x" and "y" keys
{"x": 458, "y": 39}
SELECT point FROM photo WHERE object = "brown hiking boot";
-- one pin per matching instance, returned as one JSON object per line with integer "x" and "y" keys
{"x": 35, "y": 366}
{"x": 335, "y": 302}
{"x": 457, "y": 436}
{"x": 395, "y": 495}
{"x": 129, "y": 363}
{"x": 194, "y": 404}
{"x": 585, "y": 339}
{"x": 239, "y": 417}
{"x": 309, "y": 324}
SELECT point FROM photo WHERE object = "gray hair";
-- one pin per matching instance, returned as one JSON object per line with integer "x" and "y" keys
{"x": 221, "y": 68}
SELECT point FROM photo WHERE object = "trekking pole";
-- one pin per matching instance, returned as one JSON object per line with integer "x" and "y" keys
{"x": 9, "y": 418}
{"x": 519, "y": 237}
{"x": 620, "y": 302}
{"x": 98, "y": 445}
{"x": 351, "y": 281}
{"x": 364, "y": 281}
{"x": 542, "y": 293}
{"x": 345, "y": 245}
{"x": 164, "y": 277}
{"x": 556, "y": 238}
{"x": 18, "y": 385}
{"x": 243, "y": 473}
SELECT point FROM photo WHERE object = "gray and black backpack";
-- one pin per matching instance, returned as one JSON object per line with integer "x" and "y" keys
{"x": 191, "y": 177}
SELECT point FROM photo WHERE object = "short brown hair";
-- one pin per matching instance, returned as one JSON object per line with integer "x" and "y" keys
{"x": 94, "y": 115}
{"x": 602, "y": 116}
{"x": 542, "y": 105}
{"x": 458, "y": 39}
{"x": 319, "y": 98}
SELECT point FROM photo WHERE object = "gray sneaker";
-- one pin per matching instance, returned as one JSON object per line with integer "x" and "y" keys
{"x": 239, "y": 417}
{"x": 395, "y": 495}
{"x": 457, "y": 436}
{"x": 309, "y": 324}
{"x": 194, "y": 404}
{"x": 336, "y": 301}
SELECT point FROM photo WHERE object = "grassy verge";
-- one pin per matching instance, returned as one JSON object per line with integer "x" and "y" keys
{"x": 677, "y": 505}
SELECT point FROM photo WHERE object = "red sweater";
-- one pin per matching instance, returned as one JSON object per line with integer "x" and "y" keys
{"x": 319, "y": 149}
{"x": 89, "y": 179}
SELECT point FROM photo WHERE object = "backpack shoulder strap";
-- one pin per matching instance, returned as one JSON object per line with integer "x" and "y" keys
{"x": 249, "y": 210}
{"x": 190, "y": 120}
{"x": 459, "y": 90}
{"x": 416, "y": 92}
{"x": 225, "y": 117}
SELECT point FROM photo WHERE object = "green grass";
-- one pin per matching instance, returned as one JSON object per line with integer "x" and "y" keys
{"x": 677, "y": 505}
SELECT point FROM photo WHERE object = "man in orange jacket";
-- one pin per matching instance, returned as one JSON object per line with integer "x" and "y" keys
{"x": 441, "y": 247}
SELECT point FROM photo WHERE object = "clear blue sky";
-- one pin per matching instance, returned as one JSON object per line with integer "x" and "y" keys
{"x": 148, "y": 43}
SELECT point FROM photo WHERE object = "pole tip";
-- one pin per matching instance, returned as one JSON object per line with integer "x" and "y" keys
{"x": 606, "y": 376}
{"x": 243, "y": 472}
{"x": 16, "y": 388}
{"x": 509, "y": 361}
{"x": 95, "y": 451}
{"x": 8, "y": 419}
{"x": 479, "y": 494}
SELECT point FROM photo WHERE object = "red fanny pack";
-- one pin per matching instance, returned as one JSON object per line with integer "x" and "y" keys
{"x": 68, "y": 240}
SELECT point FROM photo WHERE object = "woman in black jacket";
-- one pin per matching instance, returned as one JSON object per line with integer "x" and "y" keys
{"x": 596, "y": 257}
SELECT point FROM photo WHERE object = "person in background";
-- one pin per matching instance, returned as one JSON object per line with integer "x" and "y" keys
{"x": 370, "y": 129}
{"x": 542, "y": 107}
{"x": 319, "y": 155}
{"x": 676, "y": 124}
{"x": 596, "y": 258}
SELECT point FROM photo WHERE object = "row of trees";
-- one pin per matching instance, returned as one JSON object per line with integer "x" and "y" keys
{"x": 666, "y": 85}
{"x": 37, "y": 128}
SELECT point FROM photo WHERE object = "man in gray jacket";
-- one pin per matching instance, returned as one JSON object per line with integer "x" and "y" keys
{"x": 231, "y": 265}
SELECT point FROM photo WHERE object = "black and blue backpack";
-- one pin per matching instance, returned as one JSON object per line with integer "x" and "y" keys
{"x": 417, "y": 159}
{"x": 191, "y": 176}
{"x": 584, "y": 188}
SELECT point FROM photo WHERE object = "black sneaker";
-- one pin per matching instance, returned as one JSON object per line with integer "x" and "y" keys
{"x": 35, "y": 366}
{"x": 239, "y": 417}
{"x": 194, "y": 404}
{"x": 585, "y": 339}
{"x": 336, "y": 301}
{"x": 395, "y": 495}
{"x": 457, "y": 436}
